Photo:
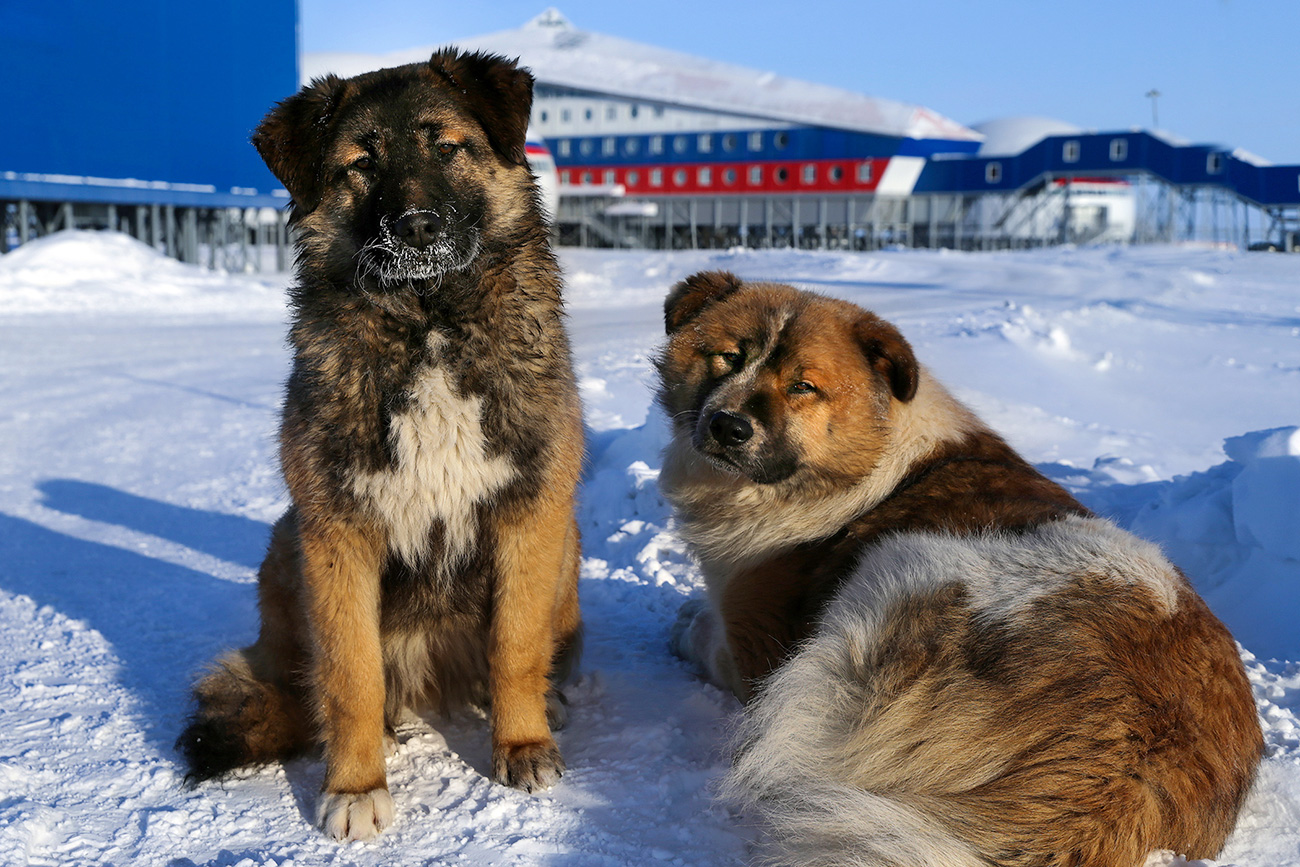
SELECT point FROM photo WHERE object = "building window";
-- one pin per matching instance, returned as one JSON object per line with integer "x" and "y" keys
{"x": 586, "y": 115}
{"x": 563, "y": 147}
{"x": 634, "y": 111}
{"x": 566, "y": 115}
{"x": 782, "y": 175}
{"x": 679, "y": 178}
{"x": 609, "y": 177}
{"x": 836, "y": 173}
{"x": 729, "y": 142}
{"x": 809, "y": 173}
{"x": 611, "y": 112}
{"x": 1118, "y": 149}
{"x": 704, "y": 177}
{"x": 656, "y": 144}
{"x": 756, "y": 141}
{"x": 729, "y": 177}
{"x": 633, "y": 178}
{"x": 609, "y": 147}
{"x": 631, "y": 146}
{"x": 1070, "y": 151}
{"x": 586, "y": 178}
{"x": 564, "y": 177}
{"x": 704, "y": 143}
{"x": 679, "y": 144}
{"x": 656, "y": 177}
{"x": 993, "y": 172}
{"x": 543, "y": 115}
{"x": 781, "y": 140}
{"x": 755, "y": 176}
{"x": 1214, "y": 163}
{"x": 586, "y": 147}
{"x": 864, "y": 173}
{"x": 659, "y": 111}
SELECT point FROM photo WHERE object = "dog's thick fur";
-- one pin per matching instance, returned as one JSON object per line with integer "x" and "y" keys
{"x": 431, "y": 441}
{"x": 947, "y": 660}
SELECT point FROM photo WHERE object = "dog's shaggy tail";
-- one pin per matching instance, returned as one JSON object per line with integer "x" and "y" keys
{"x": 241, "y": 719}
{"x": 812, "y": 817}
{"x": 827, "y": 825}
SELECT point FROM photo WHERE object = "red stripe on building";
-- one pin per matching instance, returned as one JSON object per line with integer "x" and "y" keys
{"x": 785, "y": 177}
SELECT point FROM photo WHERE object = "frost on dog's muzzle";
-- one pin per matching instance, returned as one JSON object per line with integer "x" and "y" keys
{"x": 418, "y": 245}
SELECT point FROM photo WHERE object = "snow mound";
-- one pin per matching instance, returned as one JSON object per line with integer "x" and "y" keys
{"x": 1235, "y": 530}
{"x": 108, "y": 272}
{"x": 1266, "y": 493}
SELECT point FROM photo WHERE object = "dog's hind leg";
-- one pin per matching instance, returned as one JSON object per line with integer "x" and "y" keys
{"x": 251, "y": 706}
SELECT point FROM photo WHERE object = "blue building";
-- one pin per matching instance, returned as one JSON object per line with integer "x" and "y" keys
{"x": 135, "y": 115}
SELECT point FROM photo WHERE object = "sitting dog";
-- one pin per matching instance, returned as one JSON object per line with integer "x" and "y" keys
{"x": 431, "y": 442}
{"x": 946, "y": 659}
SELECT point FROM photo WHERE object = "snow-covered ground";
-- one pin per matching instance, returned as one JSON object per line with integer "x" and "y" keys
{"x": 138, "y": 404}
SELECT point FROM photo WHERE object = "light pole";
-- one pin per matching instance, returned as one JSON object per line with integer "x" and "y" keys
{"x": 1153, "y": 95}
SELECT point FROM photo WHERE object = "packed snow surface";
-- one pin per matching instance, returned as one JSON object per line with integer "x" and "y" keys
{"x": 138, "y": 482}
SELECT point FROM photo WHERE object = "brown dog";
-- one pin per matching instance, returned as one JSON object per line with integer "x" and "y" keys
{"x": 431, "y": 441}
{"x": 947, "y": 659}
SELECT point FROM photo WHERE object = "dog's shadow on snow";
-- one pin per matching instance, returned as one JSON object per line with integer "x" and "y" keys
{"x": 227, "y": 537}
{"x": 164, "y": 621}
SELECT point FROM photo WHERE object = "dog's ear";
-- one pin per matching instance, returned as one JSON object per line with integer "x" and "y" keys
{"x": 291, "y": 138}
{"x": 499, "y": 96}
{"x": 889, "y": 353}
{"x": 688, "y": 298}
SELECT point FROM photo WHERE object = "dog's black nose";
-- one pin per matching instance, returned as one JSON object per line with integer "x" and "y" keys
{"x": 418, "y": 229}
{"x": 730, "y": 429}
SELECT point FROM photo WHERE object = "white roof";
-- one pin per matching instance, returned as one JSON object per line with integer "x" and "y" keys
{"x": 1009, "y": 136}
{"x": 560, "y": 54}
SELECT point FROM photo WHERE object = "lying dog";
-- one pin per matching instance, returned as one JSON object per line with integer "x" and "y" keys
{"x": 431, "y": 441}
{"x": 947, "y": 660}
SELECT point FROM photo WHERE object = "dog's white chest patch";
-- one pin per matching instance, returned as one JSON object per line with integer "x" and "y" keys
{"x": 441, "y": 470}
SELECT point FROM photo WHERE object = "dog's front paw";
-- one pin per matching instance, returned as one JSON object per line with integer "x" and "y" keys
{"x": 694, "y": 620}
{"x": 346, "y": 816}
{"x": 531, "y": 767}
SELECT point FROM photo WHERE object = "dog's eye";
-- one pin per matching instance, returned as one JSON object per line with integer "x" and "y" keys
{"x": 447, "y": 148}
{"x": 364, "y": 164}
{"x": 722, "y": 363}
{"x": 803, "y": 386}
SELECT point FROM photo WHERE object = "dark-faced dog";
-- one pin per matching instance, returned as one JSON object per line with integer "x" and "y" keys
{"x": 947, "y": 660}
{"x": 431, "y": 442}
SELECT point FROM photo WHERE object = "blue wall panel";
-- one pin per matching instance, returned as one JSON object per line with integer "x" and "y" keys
{"x": 151, "y": 90}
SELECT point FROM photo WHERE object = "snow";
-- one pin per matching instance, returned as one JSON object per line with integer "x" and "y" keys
{"x": 1010, "y": 136}
{"x": 562, "y": 55}
{"x": 138, "y": 408}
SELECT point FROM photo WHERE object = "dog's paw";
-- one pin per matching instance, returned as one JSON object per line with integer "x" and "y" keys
{"x": 693, "y": 618}
{"x": 557, "y": 710}
{"x": 345, "y": 816}
{"x": 531, "y": 767}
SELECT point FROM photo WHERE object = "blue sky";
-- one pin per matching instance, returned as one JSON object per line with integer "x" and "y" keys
{"x": 1225, "y": 68}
